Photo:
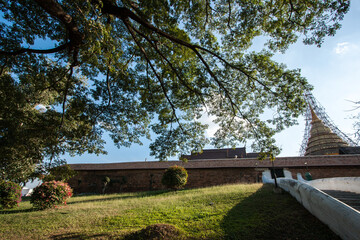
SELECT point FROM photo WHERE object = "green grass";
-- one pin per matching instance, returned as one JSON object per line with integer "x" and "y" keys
{"x": 224, "y": 212}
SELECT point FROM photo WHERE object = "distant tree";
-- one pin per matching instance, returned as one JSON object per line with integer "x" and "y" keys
{"x": 131, "y": 67}
{"x": 60, "y": 173}
{"x": 175, "y": 177}
{"x": 106, "y": 180}
{"x": 56, "y": 170}
{"x": 356, "y": 124}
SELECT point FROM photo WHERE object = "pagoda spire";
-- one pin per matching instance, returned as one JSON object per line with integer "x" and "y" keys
{"x": 322, "y": 140}
{"x": 320, "y": 130}
{"x": 314, "y": 117}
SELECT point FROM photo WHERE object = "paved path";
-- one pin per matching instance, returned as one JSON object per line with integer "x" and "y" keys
{"x": 350, "y": 198}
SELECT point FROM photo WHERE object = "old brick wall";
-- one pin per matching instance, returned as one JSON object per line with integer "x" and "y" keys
{"x": 145, "y": 176}
{"x": 150, "y": 179}
{"x": 327, "y": 172}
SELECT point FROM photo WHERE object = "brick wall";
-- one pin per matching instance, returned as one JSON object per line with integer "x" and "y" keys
{"x": 145, "y": 176}
{"x": 145, "y": 180}
{"x": 328, "y": 172}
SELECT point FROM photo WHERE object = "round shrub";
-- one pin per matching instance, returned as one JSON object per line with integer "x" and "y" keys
{"x": 10, "y": 194}
{"x": 50, "y": 194}
{"x": 175, "y": 177}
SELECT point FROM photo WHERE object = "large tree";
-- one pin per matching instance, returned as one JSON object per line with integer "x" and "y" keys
{"x": 131, "y": 68}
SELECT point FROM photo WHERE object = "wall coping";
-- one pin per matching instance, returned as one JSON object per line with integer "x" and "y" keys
{"x": 286, "y": 162}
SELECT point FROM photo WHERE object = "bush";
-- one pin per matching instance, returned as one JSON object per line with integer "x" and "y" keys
{"x": 10, "y": 194}
{"x": 50, "y": 194}
{"x": 175, "y": 177}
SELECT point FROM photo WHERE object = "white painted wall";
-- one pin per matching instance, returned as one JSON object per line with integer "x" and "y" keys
{"x": 351, "y": 184}
{"x": 29, "y": 186}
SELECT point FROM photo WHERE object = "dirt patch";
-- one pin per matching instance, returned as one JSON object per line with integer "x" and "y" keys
{"x": 157, "y": 232}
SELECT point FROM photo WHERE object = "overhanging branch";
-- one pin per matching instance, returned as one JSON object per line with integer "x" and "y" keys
{"x": 130, "y": 29}
{"x": 28, "y": 50}
{"x": 55, "y": 10}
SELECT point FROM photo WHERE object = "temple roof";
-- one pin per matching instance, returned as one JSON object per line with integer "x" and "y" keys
{"x": 310, "y": 161}
{"x": 322, "y": 140}
{"x": 220, "y": 154}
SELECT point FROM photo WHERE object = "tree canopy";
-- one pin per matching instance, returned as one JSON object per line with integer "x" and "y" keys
{"x": 140, "y": 68}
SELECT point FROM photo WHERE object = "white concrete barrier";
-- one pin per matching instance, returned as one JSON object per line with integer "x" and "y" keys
{"x": 351, "y": 184}
{"x": 342, "y": 219}
{"x": 26, "y": 191}
{"x": 300, "y": 178}
{"x": 266, "y": 176}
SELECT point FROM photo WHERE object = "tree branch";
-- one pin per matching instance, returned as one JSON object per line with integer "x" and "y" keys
{"x": 56, "y": 11}
{"x": 154, "y": 46}
{"x": 130, "y": 29}
{"x": 109, "y": 92}
{"x": 28, "y": 50}
{"x": 108, "y": 84}
{"x": 206, "y": 12}
{"x": 67, "y": 86}
{"x": 124, "y": 13}
{"x": 3, "y": 67}
{"x": 229, "y": 17}
{"x": 216, "y": 79}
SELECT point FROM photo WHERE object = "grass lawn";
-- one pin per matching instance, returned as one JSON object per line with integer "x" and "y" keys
{"x": 224, "y": 212}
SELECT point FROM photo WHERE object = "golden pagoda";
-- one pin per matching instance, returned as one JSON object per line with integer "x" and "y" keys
{"x": 322, "y": 140}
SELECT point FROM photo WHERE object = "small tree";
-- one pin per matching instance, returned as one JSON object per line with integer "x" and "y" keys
{"x": 175, "y": 177}
{"x": 60, "y": 173}
{"x": 10, "y": 194}
{"x": 57, "y": 170}
{"x": 106, "y": 180}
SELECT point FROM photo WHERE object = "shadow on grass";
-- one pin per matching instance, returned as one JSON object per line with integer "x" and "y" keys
{"x": 80, "y": 236}
{"x": 266, "y": 215}
{"x": 13, "y": 211}
{"x": 112, "y": 197}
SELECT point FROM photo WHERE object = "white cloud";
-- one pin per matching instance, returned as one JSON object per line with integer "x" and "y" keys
{"x": 344, "y": 48}
{"x": 41, "y": 108}
{"x": 213, "y": 127}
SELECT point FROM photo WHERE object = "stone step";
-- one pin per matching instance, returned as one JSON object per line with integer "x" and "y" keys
{"x": 349, "y": 198}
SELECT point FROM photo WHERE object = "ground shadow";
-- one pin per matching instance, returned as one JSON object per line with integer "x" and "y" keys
{"x": 13, "y": 211}
{"x": 270, "y": 216}
{"x": 111, "y": 197}
{"x": 74, "y": 236}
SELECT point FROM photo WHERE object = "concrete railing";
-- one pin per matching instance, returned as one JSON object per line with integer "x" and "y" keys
{"x": 351, "y": 184}
{"x": 266, "y": 176}
{"x": 342, "y": 219}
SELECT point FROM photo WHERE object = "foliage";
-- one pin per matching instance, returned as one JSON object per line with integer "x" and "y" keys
{"x": 106, "y": 180}
{"x": 60, "y": 173}
{"x": 10, "y": 194}
{"x": 50, "y": 194}
{"x": 133, "y": 69}
{"x": 175, "y": 177}
{"x": 356, "y": 124}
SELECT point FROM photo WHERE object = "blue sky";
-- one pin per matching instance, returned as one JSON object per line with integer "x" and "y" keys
{"x": 333, "y": 70}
